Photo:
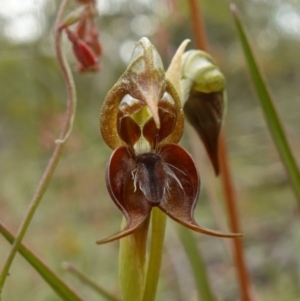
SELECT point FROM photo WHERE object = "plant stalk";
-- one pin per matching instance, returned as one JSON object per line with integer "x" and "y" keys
{"x": 67, "y": 127}
{"x": 132, "y": 263}
{"x": 234, "y": 222}
{"x": 227, "y": 183}
{"x": 159, "y": 220}
{"x": 90, "y": 282}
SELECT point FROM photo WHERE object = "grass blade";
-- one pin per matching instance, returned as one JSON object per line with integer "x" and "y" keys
{"x": 90, "y": 282}
{"x": 61, "y": 288}
{"x": 197, "y": 264}
{"x": 269, "y": 110}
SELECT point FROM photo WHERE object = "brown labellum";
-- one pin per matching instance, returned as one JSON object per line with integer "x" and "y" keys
{"x": 167, "y": 179}
{"x": 150, "y": 177}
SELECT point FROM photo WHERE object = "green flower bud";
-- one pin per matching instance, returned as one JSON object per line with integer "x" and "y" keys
{"x": 204, "y": 98}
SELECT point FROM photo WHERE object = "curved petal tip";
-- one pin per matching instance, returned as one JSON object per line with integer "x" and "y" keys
{"x": 195, "y": 227}
{"x": 131, "y": 226}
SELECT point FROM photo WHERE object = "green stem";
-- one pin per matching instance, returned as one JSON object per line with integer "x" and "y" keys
{"x": 90, "y": 282}
{"x": 46, "y": 178}
{"x": 156, "y": 249}
{"x": 197, "y": 264}
{"x": 269, "y": 110}
{"x": 132, "y": 263}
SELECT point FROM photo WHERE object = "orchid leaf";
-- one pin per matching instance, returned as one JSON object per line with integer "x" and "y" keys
{"x": 268, "y": 107}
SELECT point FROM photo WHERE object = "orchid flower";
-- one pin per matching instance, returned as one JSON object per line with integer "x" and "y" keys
{"x": 142, "y": 120}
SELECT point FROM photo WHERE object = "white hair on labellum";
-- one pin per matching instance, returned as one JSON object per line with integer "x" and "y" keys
{"x": 134, "y": 178}
{"x": 176, "y": 168}
{"x": 171, "y": 173}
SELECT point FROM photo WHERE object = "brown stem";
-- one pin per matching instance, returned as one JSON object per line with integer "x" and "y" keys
{"x": 198, "y": 25}
{"x": 208, "y": 182}
{"x": 231, "y": 204}
{"x": 227, "y": 183}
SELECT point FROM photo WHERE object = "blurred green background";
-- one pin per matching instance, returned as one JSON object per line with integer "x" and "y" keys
{"x": 76, "y": 210}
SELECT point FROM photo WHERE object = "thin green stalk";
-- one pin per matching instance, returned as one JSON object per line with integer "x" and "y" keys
{"x": 90, "y": 282}
{"x": 197, "y": 264}
{"x": 226, "y": 179}
{"x": 58, "y": 285}
{"x": 269, "y": 110}
{"x": 46, "y": 178}
{"x": 156, "y": 249}
{"x": 296, "y": 235}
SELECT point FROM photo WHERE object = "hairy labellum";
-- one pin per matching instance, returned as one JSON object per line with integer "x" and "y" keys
{"x": 167, "y": 179}
{"x": 150, "y": 177}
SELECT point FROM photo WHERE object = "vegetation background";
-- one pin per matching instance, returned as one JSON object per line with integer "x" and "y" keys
{"x": 77, "y": 210}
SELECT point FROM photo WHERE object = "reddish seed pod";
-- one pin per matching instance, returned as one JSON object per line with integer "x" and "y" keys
{"x": 84, "y": 54}
{"x": 82, "y": 26}
{"x": 92, "y": 39}
{"x": 86, "y": 1}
